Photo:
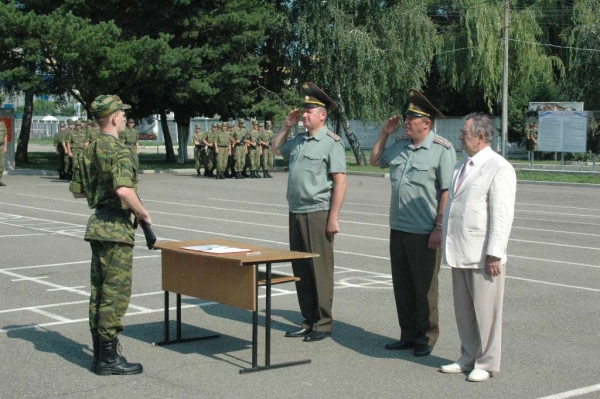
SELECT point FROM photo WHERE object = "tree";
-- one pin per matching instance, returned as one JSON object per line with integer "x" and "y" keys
{"x": 365, "y": 54}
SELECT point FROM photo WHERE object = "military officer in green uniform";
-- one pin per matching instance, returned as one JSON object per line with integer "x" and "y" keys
{"x": 223, "y": 150}
{"x": 254, "y": 149}
{"x": 60, "y": 151}
{"x": 210, "y": 139}
{"x": 238, "y": 145}
{"x": 3, "y": 148}
{"x": 421, "y": 167}
{"x": 76, "y": 143}
{"x": 107, "y": 178}
{"x": 198, "y": 148}
{"x": 316, "y": 190}
{"x": 267, "y": 154}
{"x": 129, "y": 137}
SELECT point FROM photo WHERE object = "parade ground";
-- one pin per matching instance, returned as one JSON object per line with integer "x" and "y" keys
{"x": 551, "y": 307}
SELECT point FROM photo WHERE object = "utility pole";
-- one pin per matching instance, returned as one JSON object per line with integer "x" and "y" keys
{"x": 505, "y": 82}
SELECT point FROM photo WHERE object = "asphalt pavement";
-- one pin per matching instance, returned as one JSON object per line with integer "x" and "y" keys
{"x": 551, "y": 308}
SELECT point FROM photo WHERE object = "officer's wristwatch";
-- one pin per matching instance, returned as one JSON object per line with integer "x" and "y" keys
{"x": 438, "y": 226}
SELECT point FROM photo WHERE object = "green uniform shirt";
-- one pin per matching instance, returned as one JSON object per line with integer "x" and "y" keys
{"x": 3, "y": 133}
{"x": 117, "y": 170}
{"x": 312, "y": 161}
{"x": 238, "y": 133}
{"x": 198, "y": 138}
{"x": 253, "y": 137}
{"x": 129, "y": 136}
{"x": 418, "y": 176}
{"x": 222, "y": 138}
{"x": 210, "y": 136}
{"x": 266, "y": 136}
{"x": 77, "y": 140}
{"x": 91, "y": 134}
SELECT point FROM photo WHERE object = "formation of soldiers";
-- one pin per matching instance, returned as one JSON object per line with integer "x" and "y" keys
{"x": 228, "y": 151}
{"x": 71, "y": 140}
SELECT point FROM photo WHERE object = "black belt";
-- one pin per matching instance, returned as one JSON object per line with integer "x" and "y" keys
{"x": 110, "y": 211}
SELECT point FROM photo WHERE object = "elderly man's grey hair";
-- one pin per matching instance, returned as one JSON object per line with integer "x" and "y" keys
{"x": 482, "y": 124}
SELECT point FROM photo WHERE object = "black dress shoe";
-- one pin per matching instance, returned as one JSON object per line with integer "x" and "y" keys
{"x": 316, "y": 336}
{"x": 400, "y": 345}
{"x": 302, "y": 332}
{"x": 422, "y": 350}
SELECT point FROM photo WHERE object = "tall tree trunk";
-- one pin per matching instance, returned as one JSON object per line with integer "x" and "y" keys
{"x": 21, "y": 154}
{"x": 352, "y": 140}
{"x": 170, "y": 154}
{"x": 183, "y": 135}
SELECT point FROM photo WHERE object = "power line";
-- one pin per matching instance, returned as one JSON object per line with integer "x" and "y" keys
{"x": 555, "y": 45}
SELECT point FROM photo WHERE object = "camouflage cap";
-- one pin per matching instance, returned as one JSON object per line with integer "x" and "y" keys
{"x": 241, "y": 120}
{"x": 197, "y": 127}
{"x": 268, "y": 123}
{"x": 254, "y": 121}
{"x": 62, "y": 124}
{"x": 89, "y": 122}
{"x": 106, "y": 104}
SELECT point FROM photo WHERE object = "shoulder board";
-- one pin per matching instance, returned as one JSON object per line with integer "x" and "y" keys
{"x": 333, "y": 136}
{"x": 442, "y": 141}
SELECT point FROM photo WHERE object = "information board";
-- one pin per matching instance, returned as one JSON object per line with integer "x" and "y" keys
{"x": 562, "y": 131}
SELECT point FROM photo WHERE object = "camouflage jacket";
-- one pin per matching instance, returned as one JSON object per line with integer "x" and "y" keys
{"x": 129, "y": 136}
{"x": 117, "y": 169}
{"x": 77, "y": 139}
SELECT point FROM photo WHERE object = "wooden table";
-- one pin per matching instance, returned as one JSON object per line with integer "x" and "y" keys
{"x": 232, "y": 279}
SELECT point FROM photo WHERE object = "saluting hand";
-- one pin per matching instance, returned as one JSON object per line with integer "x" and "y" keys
{"x": 391, "y": 125}
{"x": 293, "y": 118}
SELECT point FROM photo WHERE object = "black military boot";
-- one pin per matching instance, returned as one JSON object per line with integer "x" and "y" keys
{"x": 252, "y": 174}
{"x": 268, "y": 175}
{"x": 2, "y": 184}
{"x": 264, "y": 173}
{"x": 110, "y": 361}
{"x": 237, "y": 175}
{"x": 218, "y": 175}
{"x": 257, "y": 175}
{"x": 96, "y": 347}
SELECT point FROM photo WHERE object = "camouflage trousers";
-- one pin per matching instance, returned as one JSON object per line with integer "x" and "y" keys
{"x": 197, "y": 156}
{"x": 60, "y": 160}
{"x": 222, "y": 159}
{"x": 210, "y": 159}
{"x": 254, "y": 158}
{"x": 267, "y": 159}
{"x": 239, "y": 155}
{"x": 1, "y": 161}
{"x": 111, "y": 277}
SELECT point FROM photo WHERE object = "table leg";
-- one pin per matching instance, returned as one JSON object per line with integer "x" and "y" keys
{"x": 268, "y": 319}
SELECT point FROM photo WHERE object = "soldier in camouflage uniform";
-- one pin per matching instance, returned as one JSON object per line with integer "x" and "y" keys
{"x": 211, "y": 155}
{"x": 267, "y": 155}
{"x": 76, "y": 143}
{"x": 107, "y": 178}
{"x": 252, "y": 141}
{"x": 198, "y": 147}
{"x": 3, "y": 148}
{"x": 129, "y": 137}
{"x": 229, "y": 172}
{"x": 223, "y": 150}
{"x": 60, "y": 151}
{"x": 238, "y": 145}
{"x": 91, "y": 132}
{"x": 65, "y": 144}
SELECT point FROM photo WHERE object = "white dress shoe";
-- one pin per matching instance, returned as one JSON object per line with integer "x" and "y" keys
{"x": 478, "y": 375}
{"x": 455, "y": 368}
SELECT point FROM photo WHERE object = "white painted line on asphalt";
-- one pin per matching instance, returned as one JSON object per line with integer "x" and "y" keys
{"x": 46, "y": 283}
{"x": 574, "y": 392}
{"x": 569, "y": 222}
{"x": 554, "y": 284}
{"x": 555, "y": 244}
{"x": 556, "y": 231}
{"x": 24, "y": 235}
{"x": 64, "y": 288}
{"x": 286, "y": 206}
{"x": 558, "y": 213}
{"x": 595, "y": 210}
{"x": 553, "y": 261}
{"x": 28, "y": 279}
{"x": 140, "y": 308}
{"x": 51, "y": 315}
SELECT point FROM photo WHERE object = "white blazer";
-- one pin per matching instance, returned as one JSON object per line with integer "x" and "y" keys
{"x": 478, "y": 217}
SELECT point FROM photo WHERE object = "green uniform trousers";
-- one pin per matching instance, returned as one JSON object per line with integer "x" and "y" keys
{"x": 239, "y": 155}
{"x": 111, "y": 277}
{"x": 308, "y": 233}
{"x": 254, "y": 158}
{"x": 267, "y": 159}
{"x": 222, "y": 157}
{"x": 197, "y": 156}
{"x": 415, "y": 270}
{"x": 210, "y": 160}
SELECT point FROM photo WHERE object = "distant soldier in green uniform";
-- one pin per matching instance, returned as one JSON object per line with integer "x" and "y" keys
{"x": 76, "y": 143}
{"x": 60, "y": 151}
{"x": 65, "y": 143}
{"x": 91, "y": 132}
{"x": 211, "y": 155}
{"x": 3, "y": 148}
{"x": 267, "y": 155}
{"x": 223, "y": 150}
{"x": 254, "y": 150}
{"x": 238, "y": 145}
{"x": 229, "y": 172}
{"x": 129, "y": 137}
{"x": 107, "y": 178}
{"x": 198, "y": 147}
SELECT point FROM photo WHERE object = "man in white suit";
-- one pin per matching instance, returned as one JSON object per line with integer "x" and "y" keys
{"x": 476, "y": 227}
